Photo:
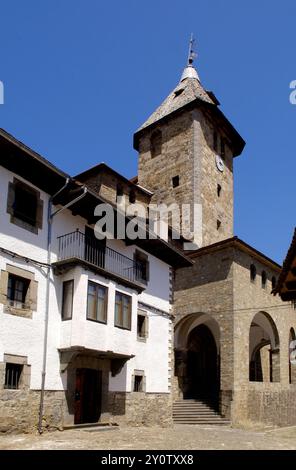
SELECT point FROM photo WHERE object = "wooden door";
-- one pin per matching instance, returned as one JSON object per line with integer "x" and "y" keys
{"x": 88, "y": 396}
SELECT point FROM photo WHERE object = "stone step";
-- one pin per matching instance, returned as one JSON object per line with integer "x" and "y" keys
{"x": 203, "y": 423}
{"x": 196, "y": 415}
{"x": 197, "y": 412}
{"x": 193, "y": 405}
{"x": 207, "y": 408}
{"x": 188, "y": 419}
{"x": 88, "y": 426}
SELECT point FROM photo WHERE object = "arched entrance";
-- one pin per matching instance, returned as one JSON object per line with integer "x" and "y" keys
{"x": 264, "y": 349}
{"x": 197, "y": 357}
{"x": 202, "y": 365}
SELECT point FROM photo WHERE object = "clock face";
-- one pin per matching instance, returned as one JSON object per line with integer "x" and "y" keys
{"x": 219, "y": 163}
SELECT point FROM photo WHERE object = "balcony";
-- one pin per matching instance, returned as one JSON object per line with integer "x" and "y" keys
{"x": 76, "y": 247}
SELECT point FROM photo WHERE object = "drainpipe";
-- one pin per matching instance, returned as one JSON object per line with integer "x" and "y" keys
{"x": 50, "y": 216}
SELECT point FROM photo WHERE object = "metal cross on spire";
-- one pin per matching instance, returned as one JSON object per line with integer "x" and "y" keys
{"x": 191, "y": 54}
{"x": 189, "y": 71}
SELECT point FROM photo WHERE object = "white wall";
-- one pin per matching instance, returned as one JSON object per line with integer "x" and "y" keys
{"x": 24, "y": 336}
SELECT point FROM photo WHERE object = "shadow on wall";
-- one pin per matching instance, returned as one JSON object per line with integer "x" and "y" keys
{"x": 209, "y": 268}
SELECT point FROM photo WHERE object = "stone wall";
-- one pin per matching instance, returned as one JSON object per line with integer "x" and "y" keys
{"x": 19, "y": 410}
{"x": 270, "y": 404}
{"x": 206, "y": 179}
{"x": 176, "y": 158}
{"x": 139, "y": 408}
{"x": 266, "y": 402}
{"x": 205, "y": 291}
{"x": 105, "y": 184}
{"x": 219, "y": 287}
{"x": 187, "y": 152}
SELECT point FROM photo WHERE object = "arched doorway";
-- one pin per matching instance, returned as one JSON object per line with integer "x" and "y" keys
{"x": 197, "y": 357}
{"x": 264, "y": 349}
{"x": 202, "y": 365}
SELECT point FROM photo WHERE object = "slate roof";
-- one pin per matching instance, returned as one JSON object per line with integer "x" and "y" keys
{"x": 185, "y": 92}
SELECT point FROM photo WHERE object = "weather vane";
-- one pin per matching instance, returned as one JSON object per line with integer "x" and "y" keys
{"x": 191, "y": 54}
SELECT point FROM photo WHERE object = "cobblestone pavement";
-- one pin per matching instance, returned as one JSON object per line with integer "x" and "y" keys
{"x": 178, "y": 437}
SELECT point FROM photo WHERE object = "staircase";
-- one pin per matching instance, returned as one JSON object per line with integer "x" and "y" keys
{"x": 197, "y": 412}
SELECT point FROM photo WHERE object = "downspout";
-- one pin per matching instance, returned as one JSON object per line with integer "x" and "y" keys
{"x": 50, "y": 216}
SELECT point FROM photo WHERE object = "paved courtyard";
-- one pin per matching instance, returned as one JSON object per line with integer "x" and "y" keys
{"x": 178, "y": 437}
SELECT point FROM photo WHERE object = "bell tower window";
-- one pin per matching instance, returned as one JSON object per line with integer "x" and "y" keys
{"x": 175, "y": 181}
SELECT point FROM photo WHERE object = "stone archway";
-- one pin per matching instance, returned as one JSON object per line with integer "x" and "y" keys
{"x": 197, "y": 357}
{"x": 264, "y": 349}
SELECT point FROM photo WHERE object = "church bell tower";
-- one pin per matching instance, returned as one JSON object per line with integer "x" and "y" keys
{"x": 186, "y": 150}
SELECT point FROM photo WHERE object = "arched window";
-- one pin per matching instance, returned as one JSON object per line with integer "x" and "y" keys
{"x": 264, "y": 349}
{"x": 273, "y": 282}
{"x": 263, "y": 279}
{"x": 253, "y": 272}
{"x": 156, "y": 143}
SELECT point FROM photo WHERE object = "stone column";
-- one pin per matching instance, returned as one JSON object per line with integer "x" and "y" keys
{"x": 275, "y": 365}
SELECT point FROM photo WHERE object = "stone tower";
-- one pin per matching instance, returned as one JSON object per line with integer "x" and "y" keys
{"x": 186, "y": 150}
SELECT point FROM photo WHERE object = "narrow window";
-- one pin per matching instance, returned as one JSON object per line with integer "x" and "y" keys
{"x": 175, "y": 181}
{"x": 141, "y": 266}
{"x": 218, "y": 224}
{"x": 156, "y": 144}
{"x": 67, "y": 302}
{"x": 219, "y": 188}
{"x": 253, "y": 272}
{"x": 273, "y": 282}
{"x": 24, "y": 206}
{"x": 132, "y": 197}
{"x": 215, "y": 141}
{"x": 123, "y": 311}
{"x": 141, "y": 326}
{"x": 97, "y": 297}
{"x": 17, "y": 291}
{"x": 222, "y": 148}
{"x": 263, "y": 279}
{"x": 138, "y": 383}
{"x": 119, "y": 192}
{"x": 13, "y": 374}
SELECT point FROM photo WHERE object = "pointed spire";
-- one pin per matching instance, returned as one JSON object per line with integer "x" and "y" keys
{"x": 190, "y": 71}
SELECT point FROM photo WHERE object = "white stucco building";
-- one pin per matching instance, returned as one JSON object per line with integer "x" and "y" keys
{"x": 83, "y": 323}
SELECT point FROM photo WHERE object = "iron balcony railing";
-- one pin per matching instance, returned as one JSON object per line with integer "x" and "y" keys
{"x": 78, "y": 245}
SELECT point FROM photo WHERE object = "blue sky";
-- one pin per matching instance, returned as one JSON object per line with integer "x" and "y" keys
{"x": 81, "y": 76}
